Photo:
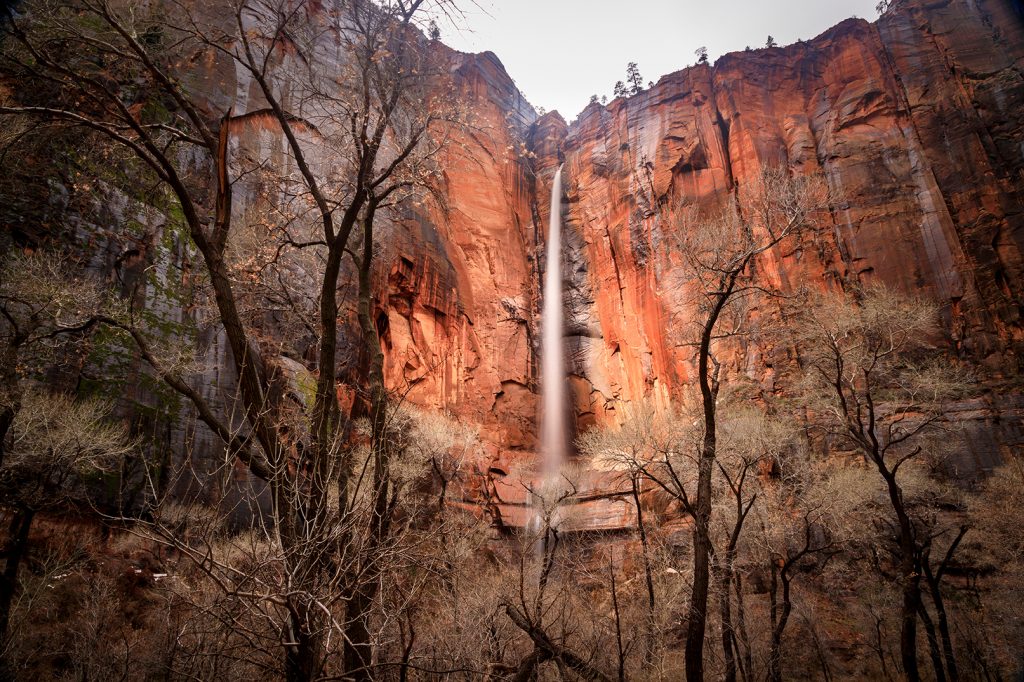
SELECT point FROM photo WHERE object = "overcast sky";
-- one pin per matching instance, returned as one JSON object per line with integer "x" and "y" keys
{"x": 562, "y": 51}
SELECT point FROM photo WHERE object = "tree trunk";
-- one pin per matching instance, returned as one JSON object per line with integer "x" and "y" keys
{"x": 302, "y": 654}
{"x": 20, "y": 526}
{"x": 358, "y": 645}
{"x": 551, "y": 650}
{"x": 697, "y": 618}
{"x": 374, "y": 370}
{"x": 780, "y": 616}
{"x": 773, "y": 615}
{"x": 730, "y": 647}
{"x": 10, "y": 391}
{"x": 725, "y": 613}
{"x": 934, "y": 580}
{"x": 698, "y": 611}
{"x": 910, "y": 577}
{"x": 908, "y": 629}
{"x": 746, "y": 659}
{"x": 933, "y": 643}
{"x": 648, "y": 576}
{"x": 408, "y": 643}
{"x": 326, "y": 416}
{"x": 947, "y": 641}
{"x": 358, "y": 654}
{"x": 527, "y": 670}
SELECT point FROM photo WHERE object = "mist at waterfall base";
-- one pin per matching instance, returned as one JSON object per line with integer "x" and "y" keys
{"x": 552, "y": 377}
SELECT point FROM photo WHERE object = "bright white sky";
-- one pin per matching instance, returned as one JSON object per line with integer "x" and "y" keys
{"x": 560, "y": 52}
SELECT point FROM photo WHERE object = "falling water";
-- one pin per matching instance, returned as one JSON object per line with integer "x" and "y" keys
{"x": 552, "y": 377}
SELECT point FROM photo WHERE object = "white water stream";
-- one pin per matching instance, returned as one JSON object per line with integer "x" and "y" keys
{"x": 552, "y": 373}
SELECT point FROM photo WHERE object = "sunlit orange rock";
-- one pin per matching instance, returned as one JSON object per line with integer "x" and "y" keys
{"x": 916, "y": 121}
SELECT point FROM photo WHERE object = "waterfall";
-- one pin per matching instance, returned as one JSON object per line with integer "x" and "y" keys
{"x": 552, "y": 375}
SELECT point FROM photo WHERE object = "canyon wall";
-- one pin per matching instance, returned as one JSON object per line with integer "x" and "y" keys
{"x": 917, "y": 123}
{"x": 915, "y": 120}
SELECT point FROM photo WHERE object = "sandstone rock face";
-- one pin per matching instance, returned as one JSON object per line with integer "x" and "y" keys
{"x": 454, "y": 284}
{"x": 458, "y": 286}
{"x": 917, "y": 123}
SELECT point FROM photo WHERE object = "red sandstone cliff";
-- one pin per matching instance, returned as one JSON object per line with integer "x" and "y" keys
{"x": 916, "y": 121}
{"x": 458, "y": 283}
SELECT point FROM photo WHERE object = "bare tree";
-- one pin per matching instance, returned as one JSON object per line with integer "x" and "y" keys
{"x": 987, "y": 633}
{"x": 113, "y": 70}
{"x": 871, "y": 369}
{"x": 642, "y": 439}
{"x": 49, "y": 442}
{"x": 531, "y": 610}
{"x": 751, "y": 443}
{"x": 795, "y": 537}
{"x": 721, "y": 255}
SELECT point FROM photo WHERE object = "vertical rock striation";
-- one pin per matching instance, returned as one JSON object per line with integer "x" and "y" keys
{"x": 916, "y": 122}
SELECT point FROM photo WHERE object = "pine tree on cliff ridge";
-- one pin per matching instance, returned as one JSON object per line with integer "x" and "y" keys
{"x": 634, "y": 79}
